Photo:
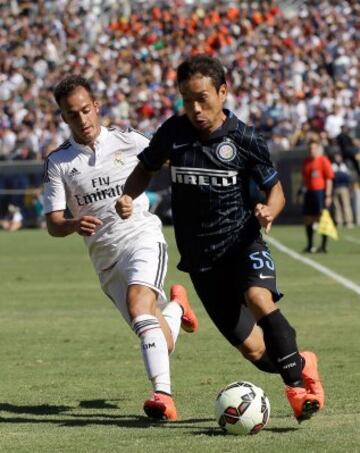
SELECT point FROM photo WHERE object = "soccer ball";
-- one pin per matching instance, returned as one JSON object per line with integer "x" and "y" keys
{"x": 242, "y": 408}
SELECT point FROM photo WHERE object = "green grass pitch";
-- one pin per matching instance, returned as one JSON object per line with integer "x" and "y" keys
{"x": 71, "y": 377}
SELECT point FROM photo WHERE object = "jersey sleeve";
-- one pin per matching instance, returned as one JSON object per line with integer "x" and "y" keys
{"x": 262, "y": 168}
{"x": 157, "y": 153}
{"x": 54, "y": 190}
{"x": 141, "y": 141}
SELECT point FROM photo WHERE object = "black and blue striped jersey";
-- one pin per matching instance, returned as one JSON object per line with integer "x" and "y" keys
{"x": 211, "y": 203}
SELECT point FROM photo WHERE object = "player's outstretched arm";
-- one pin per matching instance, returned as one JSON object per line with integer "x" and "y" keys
{"x": 275, "y": 202}
{"x": 59, "y": 226}
{"x": 135, "y": 185}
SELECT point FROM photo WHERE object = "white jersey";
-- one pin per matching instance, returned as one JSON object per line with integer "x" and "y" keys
{"x": 89, "y": 182}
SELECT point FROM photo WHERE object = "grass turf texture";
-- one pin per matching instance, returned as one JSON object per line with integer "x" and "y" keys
{"x": 72, "y": 380}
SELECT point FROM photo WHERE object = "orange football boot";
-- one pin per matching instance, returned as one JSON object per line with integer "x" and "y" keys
{"x": 160, "y": 407}
{"x": 189, "y": 320}
{"x": 311, "y": 377}
{"x": 304, "y": 404}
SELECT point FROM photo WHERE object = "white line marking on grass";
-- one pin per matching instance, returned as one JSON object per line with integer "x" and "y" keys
{"x": 319, "y": 267}
{"x": 352, "y": 239}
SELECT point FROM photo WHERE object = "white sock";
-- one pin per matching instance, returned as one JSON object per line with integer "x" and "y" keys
{"x": 154, "y": 351}
{"x": 172, "y": 314}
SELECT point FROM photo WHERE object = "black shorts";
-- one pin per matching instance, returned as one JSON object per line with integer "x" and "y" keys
{"x": 314, "y": 202}
{"x": 221, "y": 289}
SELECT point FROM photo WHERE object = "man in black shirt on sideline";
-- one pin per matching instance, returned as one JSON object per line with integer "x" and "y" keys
{"x": 212, "y": 157}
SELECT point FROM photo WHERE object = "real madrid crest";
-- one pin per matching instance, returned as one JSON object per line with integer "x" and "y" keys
{"x": 119, "y": 158}
{"x": 226, "y": 151}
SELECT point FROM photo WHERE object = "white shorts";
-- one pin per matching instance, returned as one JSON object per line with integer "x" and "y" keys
{"x": 142, "y": 264}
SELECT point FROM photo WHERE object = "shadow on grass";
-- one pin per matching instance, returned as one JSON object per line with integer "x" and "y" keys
{"x": 213, "y": 432}
{"x": 42, "y": 409}
{"x": 97, "y": 404}
{"x": 76, "y": 419}
{"x": 281, "y": 430}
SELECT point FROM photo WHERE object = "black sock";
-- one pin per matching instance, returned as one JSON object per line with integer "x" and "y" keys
{"x": 266, "y": 364}
{"x": 309, "y": 235}
{"x": 280, "y": 341}
{"x": 323, "y": 241}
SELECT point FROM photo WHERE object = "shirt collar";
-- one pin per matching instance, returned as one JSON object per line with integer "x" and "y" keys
{"x": 227, "y": 126}
{"x": 101, "y": 138}
{"x": 99, "y": 141}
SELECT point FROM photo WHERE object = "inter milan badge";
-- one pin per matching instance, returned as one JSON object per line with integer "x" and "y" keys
{"x": 118, "y": 158}
{"x": 226, "y": 151}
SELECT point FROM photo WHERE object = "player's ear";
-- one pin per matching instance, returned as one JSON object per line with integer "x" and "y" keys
{"x": 223, "y": 92}
{"x": 97, "y": 106}
{"x": 63, "y": 118}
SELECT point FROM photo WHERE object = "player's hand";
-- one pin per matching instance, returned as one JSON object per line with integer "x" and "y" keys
{"x": 124, "y": 206}
{"x": 87, "y": 225}
{"x": 263, "y": 214}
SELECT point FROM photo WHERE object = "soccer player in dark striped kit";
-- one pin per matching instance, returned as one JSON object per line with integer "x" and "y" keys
{"x": 213, "y": 156}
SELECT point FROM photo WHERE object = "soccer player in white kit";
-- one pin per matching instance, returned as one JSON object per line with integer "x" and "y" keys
{"x": 86, "y": 174}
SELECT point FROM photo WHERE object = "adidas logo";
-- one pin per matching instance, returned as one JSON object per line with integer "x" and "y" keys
{"x": 74, "y": 172}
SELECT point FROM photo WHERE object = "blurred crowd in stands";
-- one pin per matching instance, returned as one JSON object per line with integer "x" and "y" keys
{"x": 294, "y": 76}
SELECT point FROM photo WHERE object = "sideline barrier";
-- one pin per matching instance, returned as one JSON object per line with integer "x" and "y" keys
{"x": 288, "y": 164}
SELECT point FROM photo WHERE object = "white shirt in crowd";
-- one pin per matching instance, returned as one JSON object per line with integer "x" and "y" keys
{"x": 333, "y": 124}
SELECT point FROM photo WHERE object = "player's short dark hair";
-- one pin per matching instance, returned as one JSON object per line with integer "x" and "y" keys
{"x": 204, "y": 65}
{"x": 69, "y": 84}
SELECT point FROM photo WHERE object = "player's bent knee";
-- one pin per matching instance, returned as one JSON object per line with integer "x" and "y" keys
{"x": 253, "y": 356}
{"x": 141, "y": 300}
{"x": 253, "y": 348}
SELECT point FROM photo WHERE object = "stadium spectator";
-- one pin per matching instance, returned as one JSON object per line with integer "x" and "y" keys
{"x": 279, "y": 68}
{"x": 342, "y": 192}
{"x": 334, "y": 122}
{"x": 349, "y": 148}
{"x": 85, "y": 175}
{"x": 317, "y": 190}
{"x": 13, "y": 220}
{"x": 212, "y": 156}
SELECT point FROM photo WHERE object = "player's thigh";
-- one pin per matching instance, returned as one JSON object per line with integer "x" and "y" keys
{"x": 146, "y": 265}
{"x": 257, "y": 269}
{"x": 260, "y": 301}
{"x": 222, "y": 297}
{"x": 114, "y": 285}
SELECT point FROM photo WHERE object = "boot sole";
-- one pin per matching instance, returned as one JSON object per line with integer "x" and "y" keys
{"x": 157, "y": 413}
{"x": 185, "y": 325}
{"x": 310, "y": 408}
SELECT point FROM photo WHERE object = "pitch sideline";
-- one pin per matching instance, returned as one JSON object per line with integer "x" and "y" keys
{"x": 319, "y": 267}
{"x": 352, "y": 239}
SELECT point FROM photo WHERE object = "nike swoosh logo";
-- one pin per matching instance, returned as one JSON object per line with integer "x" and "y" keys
{"x": 265, "y": 276}
{"x": 180, "y": 145}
